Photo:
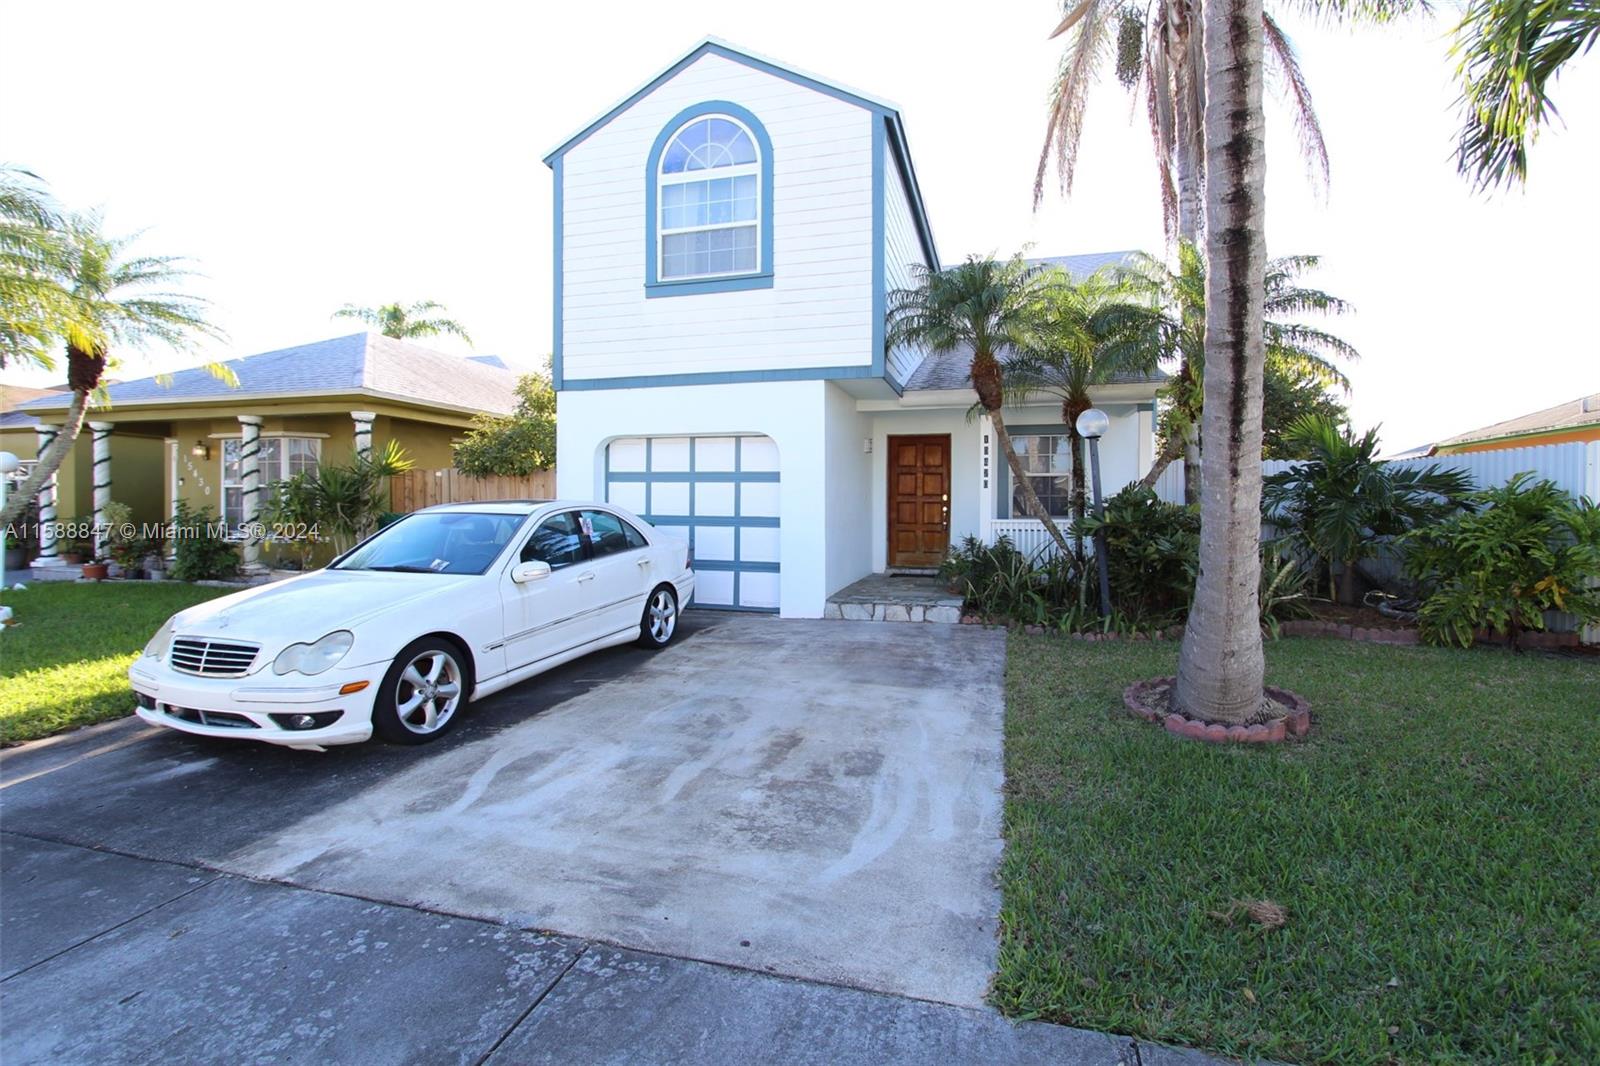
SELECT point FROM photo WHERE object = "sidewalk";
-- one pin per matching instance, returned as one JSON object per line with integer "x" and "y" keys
{"x": 108, "y": 958}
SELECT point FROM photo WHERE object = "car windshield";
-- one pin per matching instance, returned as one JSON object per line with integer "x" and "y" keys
{"x": 439, "y": 542}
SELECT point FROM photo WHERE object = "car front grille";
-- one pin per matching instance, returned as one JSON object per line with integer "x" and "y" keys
{"x": 224, "y": 719}
{"x": 212, "y": 658}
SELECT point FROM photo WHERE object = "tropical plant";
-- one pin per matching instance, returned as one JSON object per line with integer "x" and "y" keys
{"x": 1001, "y": 583}
{"x": 406, "y": 321}
{"x": 292, "y": 508}
{"x": 1081, "y": 341}
{"x": 1176, "y": 332}
{"x": 1152, "y": 551}
{"x": 202, "y": 549}
{"x": 350, "y": 499}
{"x": 115, "y": 299}
{"x": 1287, "y": 397}
{"x": 993, "y": 309}
{"x": 1510, "y": 53}
{"x": 1285, "y": 588}
{"x": 517, "y": 445}
{"x": 1156, "y": 51}
{"x": 1343, "y": 505}
{"x": 35, "y": 259}
{"x": 1527, "y": 547}
{"x": 1221, "y": 665}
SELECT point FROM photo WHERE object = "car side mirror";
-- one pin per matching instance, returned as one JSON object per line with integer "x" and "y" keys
{"x": 536, "y": 570}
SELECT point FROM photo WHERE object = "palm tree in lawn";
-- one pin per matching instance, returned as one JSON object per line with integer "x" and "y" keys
{"x": 1221, "y": 665}
{"x": 993, "y": 309}
{"x": 1510, "y": 53}
{"x": 1178, "y": 332}
{"x": 1088, "y": 335}
{"x": 406, "y": 321}
{"x": 113, "y": 300}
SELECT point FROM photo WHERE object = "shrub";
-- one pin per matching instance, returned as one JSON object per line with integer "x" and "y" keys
{"x": 203, "y": 550}
{"x": 518, "y": 445}
{"x": 1152, "y": 553}
{"x": 1528, "y": 547}
{"x": 998, "y": 581}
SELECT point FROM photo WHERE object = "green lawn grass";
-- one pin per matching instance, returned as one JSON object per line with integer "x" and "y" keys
{"x": 1435, "y": 842}
{"x": 64, "y": 663}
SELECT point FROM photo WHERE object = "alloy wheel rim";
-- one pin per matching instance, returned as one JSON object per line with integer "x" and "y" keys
{"x": 663, "y": 617}
{"x": 428, "y": 692}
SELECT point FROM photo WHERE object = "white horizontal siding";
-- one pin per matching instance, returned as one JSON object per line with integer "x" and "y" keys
{"x": 818, "y": 312}
{"x": 901, "y": 250}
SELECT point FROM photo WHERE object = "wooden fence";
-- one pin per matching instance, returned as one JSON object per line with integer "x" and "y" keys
{"x": 416, "y": 489}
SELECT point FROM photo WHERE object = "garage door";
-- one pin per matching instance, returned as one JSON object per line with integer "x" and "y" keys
{"x": 719, "y": 492}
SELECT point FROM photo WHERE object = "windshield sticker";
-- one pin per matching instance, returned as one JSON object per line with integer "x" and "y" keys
{"x": 439, "y": 564}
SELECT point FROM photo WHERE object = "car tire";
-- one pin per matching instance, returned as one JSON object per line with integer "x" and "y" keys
{"x": 659, "y": 623}
{"x": 424, "y": 692}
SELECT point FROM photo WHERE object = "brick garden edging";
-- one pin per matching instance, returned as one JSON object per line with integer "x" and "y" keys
{"x": 1297, "y": 723}
{"x": 1311, "y": 627}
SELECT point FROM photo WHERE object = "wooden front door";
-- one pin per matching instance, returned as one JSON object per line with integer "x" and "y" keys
{"x": 919, "y": 500}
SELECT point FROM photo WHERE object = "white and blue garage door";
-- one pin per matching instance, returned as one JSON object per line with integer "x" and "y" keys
{"x": 719, "y": 492}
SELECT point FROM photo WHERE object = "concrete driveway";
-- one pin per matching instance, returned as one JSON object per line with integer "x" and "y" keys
{"x": 811, "y": 799}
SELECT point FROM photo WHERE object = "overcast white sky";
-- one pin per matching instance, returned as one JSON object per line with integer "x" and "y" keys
{"x": 309, "y": 154}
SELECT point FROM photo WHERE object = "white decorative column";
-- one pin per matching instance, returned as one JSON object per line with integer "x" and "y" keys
{"x": 363, "y": 421}
{"x": 172, "y": 445}
{"x": 101, "y": 432}
{"x": 48, "y": 554}
{"x": 250, "y": 486}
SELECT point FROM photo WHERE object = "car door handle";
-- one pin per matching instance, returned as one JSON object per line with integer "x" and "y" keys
{"x": 587, "y": 575}
{"x": 644, "y": 562}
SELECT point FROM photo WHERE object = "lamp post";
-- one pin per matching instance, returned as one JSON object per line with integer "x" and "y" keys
{"x": 1092, "y": 425}
{"x": 8, "y": 466}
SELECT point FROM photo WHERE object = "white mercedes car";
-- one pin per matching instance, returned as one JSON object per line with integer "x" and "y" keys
{"x": 446, "y": 605}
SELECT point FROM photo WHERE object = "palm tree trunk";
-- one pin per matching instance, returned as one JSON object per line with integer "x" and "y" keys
{"x": 1079, "y": 501}
{"x": 1221, "y": 667}
{"x": 1030, "y": 498}
{"x": 1191, "y": 463}
{"x": 49, "y": 462}
{"x": 1170, "y": 452}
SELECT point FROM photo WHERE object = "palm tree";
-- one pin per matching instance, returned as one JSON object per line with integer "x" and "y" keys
{"x": 1178, "y": 331}
{"x": 113, "y": 300}
{"x": 1510, "y": 52}
{"x": 1338, "y": 503}
{"x": 1083, "y": 340}
{"x": 992, "y": 308}
{"x": 35, "y": 255}
{"x": 1221, "y": 665}
{"x": 405, "y": 323}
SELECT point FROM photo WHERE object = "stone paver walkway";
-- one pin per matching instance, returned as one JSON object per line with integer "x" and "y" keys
{"x": 895, "y": 598}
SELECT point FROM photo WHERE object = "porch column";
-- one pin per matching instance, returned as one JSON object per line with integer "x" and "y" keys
{"x": 171, "y": 444}
{"x": 101, "y": 435}
{"x": 250, "y": 486}
{"x": 48, "y": 554}
{"x": 986, "y": 472}
{"x": 363, "y": 421}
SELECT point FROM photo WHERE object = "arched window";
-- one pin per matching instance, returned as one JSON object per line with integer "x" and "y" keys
{"x": 711, "y": 212}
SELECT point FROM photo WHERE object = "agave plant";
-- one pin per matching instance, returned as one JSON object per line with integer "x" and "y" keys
{"x": 1339, "y": 505}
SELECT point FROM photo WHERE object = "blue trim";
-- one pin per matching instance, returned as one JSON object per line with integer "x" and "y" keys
{"x": 761, "y": 278}
{"x": 728, "y": 566}
{"x": 691, "y": 475}
{"x": 725, "y": 377}
{"x": 726, "y": 521}
{"x": 908, "y": 181}
{"x": 880, "y": 361}
{"x": 555, "y": 351}
{"x": 738, "y": 283}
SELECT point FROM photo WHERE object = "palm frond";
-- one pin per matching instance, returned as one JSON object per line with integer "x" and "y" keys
{"x": 1287, "y": 66}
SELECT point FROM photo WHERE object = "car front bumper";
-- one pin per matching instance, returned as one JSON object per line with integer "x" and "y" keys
{"x": 244, "y": 707}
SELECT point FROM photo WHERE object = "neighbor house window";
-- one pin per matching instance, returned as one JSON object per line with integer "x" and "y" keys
{"x": 709, "y": 201}
{"x": 280, "y": 458}
{"x": 1047, "y": 459}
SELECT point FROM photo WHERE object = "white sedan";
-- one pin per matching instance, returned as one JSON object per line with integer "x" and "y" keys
{"x": 446, "y": 605}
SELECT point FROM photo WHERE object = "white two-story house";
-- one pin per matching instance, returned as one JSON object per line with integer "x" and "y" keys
{"x": 724, "y": 240}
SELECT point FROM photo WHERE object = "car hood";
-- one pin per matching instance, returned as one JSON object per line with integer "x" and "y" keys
{"x": 305, "y": 608}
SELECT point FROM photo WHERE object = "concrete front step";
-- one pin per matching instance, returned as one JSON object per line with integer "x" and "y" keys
{"x": 894, "y": 612}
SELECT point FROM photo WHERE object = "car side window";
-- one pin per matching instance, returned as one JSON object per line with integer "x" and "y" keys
{"x": 558, "y": 541}
{"x": 609, "y": 534}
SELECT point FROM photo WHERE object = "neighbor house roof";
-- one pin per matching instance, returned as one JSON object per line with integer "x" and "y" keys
{"x": 718, "y": 47}
{"x": 1574, "y": 414}
{"x": 949, "y": 370}
{"x": 361, "y": 364}
{"x": 13, "y": 396}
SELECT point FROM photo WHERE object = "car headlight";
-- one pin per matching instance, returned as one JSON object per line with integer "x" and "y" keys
{"x": 314, "y": 658}
{"x": 157, "y": 647}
